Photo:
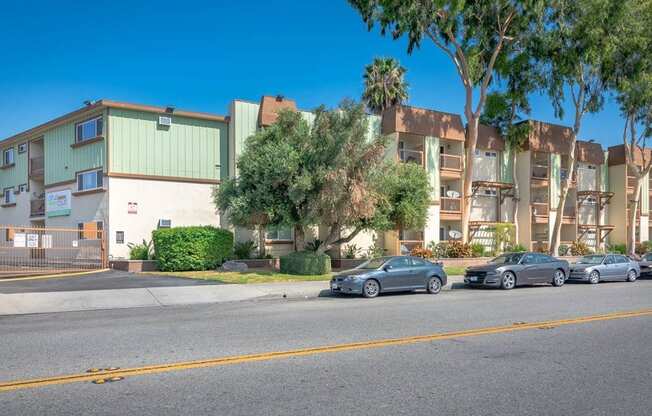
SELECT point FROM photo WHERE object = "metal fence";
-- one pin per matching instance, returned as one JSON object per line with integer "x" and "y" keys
{"x": 32, "y": 250}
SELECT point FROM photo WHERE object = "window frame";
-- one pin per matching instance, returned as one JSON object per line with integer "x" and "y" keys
{"x": 99, "y": 133}
{"x": 8, "y": 191}
{"x": 23, "y": 146}
{"x": 276, "y": 228}
{"x": 5, "y": 152}
{"x": 99, "y": 177}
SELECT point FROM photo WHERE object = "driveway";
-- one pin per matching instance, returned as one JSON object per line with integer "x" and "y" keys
{"x": 108, "y": 280}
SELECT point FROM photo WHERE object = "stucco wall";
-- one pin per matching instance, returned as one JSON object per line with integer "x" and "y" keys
{"x": 183, "y": 203}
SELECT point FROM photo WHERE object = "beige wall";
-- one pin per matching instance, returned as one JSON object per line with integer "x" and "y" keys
{"x": 618, "y": 205}
{"x": 183, "y": 203}
{"x": 523, "y": 173}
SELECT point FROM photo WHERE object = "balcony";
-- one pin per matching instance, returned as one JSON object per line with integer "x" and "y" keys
{"x": 36, "y": 167}
{"x": 540, "y": 172}
{"x": 569, "y": 216}
{"x": 631, "y": 183}
{"x": 450, "y": 166}
{"x": 563, "y": 173}
{"x": 411, "y": 156}
{"x": 37, "y": 207}
{"x": 451, "y": 208}
{"x": 540, "y": 212}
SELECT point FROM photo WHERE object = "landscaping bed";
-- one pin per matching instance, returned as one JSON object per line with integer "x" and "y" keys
{"x": 247, "y": 277}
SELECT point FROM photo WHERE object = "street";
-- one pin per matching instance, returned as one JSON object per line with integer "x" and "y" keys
{"x": 597, "y": 366}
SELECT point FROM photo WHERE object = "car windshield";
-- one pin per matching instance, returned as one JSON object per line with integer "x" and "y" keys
{"x": 590, "y": 260}
{"x": 373, "y": 263}
{"x": 648, "y": 257}
{"x": 510, "y": 258}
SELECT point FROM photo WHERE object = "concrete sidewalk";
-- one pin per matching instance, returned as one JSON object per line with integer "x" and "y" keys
{"x": 82, "y": 300}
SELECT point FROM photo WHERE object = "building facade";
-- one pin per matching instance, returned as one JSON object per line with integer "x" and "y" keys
{"x": 126, "y": 169}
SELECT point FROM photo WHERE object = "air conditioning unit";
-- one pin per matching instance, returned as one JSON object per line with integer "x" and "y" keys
{"x": 164, "y": 223}
{"x": 164, "y": 121}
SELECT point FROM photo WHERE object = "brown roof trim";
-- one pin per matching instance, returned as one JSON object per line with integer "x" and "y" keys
{"x": 549, "y": 137}
{"x": 589, "y": 152}
{"x": 423, "y": 122}
{"x": 489, "y": 139}
{"x": 97, "y": 107}
{"x": 617, "y": 155}
{"x": 271, "y": 106}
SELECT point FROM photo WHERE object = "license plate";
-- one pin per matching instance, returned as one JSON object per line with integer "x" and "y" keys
{"x": 473, "y": 279}
{"x": 334, "y": 286}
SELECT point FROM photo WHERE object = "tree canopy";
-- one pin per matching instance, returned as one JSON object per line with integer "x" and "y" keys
{"x": 384, "y": 85}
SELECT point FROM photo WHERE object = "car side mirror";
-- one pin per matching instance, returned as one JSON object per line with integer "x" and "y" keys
{"x": 387, "y": 267}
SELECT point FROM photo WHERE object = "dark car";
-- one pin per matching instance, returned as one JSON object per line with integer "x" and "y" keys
{"x": 516, "y": 269}
{"x": 646, "y": 265}
{"x": 390, "y": 274}
{"x": 597, "y": 267}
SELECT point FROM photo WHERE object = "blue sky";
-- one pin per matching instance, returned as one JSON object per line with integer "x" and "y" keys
{"x": 199, "y": 55}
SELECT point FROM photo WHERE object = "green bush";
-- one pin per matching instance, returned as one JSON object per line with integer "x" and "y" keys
{"x": 192, "y": 248}
{"x": 477, "y": 250}
{"x": 352, "y": 251}
{"x": 643, "y": 248}
{"x": 618, "y": 248}
{"x": 517, "y": 248}
{"x": 306, "y": 263}
{"x": 244, "y": 249}
{"x": 143, "y": 251}
{"x": 580, "y": 248}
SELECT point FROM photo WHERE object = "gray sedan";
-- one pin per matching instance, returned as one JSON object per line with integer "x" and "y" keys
{"x": 598, "y": 267}
{"x": 390, "y": 274}
{"x": 515, "y": 269}
{"x": 646, "y": 265}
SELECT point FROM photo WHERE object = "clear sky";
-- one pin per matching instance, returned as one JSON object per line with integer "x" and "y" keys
{"x": 199, "y": 55}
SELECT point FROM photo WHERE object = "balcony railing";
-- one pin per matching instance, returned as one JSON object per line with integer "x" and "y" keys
{"x": 631, "y": 182}
{"x": 540, "y": 172}
{"x": 411, "y": 156}
{"x": 540, "y": 209}
{"x": 451, "y": 204}
{"x": 570, "y": 212}
{"x": 37, "y": 207}
{"x": 36, "y": 167}
{"x": 451, "y": 162}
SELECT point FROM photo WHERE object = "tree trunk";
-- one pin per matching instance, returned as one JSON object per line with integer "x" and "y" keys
{"x": 299, "y": 238}
{"x": 515, "y": 199}
{"x": 261, "y": 240}
{"x": 555, "y": 238}
{"x": 472, "y": 139}
{"x": 631, "y": 225}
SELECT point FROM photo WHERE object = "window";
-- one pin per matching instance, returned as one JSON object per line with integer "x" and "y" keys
{"x": 119, "y": 237}
{"x": 8, "y": 196}
{"x": 400, "y": 263}
{"x": 542, "y": 258}
{"x": 89, "y": 129}
{"x": 22, "y": 188}
{"x": 278, "y": 233}
{"x": 418, "y": 262}
{"x": 489, "y": 192}
{"x": 8, "y": 156}
{"x": 89, "y": 180}
{"x": 622, "y": 259}
{"x": 529, "y": 259}
{"x": 610, "y": 260}
{"x": 22, "y": 148}
{"x": 490, "y": 154}
{"x": 90, "y": 230}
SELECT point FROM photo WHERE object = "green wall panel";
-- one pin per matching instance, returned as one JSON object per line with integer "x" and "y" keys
{"x": 604, "y": 173}
{"x": 63, "y": 161}
{"x": 432, "y": 164}
{"x": 189, "y": 148}
{"x": 16, "y": 175}
{"x": 555, "y": 179}
{"x": 506, "y": 166}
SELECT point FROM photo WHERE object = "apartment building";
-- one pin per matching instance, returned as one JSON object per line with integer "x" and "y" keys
{"x": 622, "y": 184}
{"x": 114, "y": 171}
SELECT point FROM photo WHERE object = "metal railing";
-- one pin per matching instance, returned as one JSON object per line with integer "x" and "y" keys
{"x": 37, "y": 166}
{"x": 451, "y": 204}
{"x": 540, "y": 208}
{"x": 28, "y": 251}
{"x": 37, "y": 207}
{"x": 451, "y": 162}
{"x": 631, "y": 182}
{"x": 411, "y": 156}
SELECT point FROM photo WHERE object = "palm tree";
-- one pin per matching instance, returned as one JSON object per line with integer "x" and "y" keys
{"x": 384, "y": 84}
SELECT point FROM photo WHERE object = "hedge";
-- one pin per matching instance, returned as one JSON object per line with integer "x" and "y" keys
{"x": 191, "y": 248}
{"x": 306, "y": 263}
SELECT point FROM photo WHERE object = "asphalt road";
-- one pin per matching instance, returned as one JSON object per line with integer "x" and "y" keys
{"x": 597, "y": 368}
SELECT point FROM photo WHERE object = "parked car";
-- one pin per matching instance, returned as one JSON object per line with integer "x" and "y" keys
{"x": 597, "y": 267}
{"x": 516, "y": 269}
{"x": 646, "y": 265}
{"x": 390, "y": 274}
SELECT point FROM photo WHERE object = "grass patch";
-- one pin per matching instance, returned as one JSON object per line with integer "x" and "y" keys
{"x": 454, "y": 270}
{"x": 245, "y": 277}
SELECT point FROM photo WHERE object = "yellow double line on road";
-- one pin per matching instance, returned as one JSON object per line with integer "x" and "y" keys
{"x": 267, "y": 356}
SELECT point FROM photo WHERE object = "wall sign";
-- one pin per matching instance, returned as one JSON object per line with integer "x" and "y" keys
{"x": 132, "y": 207}
{"x": 32, "y": 240}
{"x": 58, "y": 203}
{"x": 19, "y": 240}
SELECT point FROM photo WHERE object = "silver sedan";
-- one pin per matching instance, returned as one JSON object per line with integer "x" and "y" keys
{"x": 598, "y": 267}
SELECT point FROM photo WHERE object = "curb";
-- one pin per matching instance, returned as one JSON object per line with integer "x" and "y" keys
{"x": 52, "y": 276}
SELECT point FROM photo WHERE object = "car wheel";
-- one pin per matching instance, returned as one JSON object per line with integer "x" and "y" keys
{"x": 559, "y": 278}
{"x": 631, "y": 276}
{"x": 434, "y": 285}
{"x": 508, "y": 281}
{"x": 594, "y": 277}
{"x": 371, "y": 288}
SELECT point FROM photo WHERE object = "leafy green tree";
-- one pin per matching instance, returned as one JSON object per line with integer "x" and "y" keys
{"x": 384, "y": 85}
{"x": 475, "y": 35}
{"x": 572, "y": 51}
{"x": 630, "y": 61}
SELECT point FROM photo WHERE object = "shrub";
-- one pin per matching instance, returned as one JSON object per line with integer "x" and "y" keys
{"x": 305, "y": 262}
{"x": 644, "y": 248}
{"x": 563, "y": 249}
{"x": 477, "y": 250}
{"x": 313, "y": 245}
{"x": 142, "y": 251}
{"x": 425, "y": 253}
{"x": 375, "y": 251}
{"x": 458, "y": 249}
{"x": 579, "y": 248}
{"x": 192, "y": 248}
{"x": 517, "y": 248}
{"x": 618, "y": 248}
{"x": 244, "y": 249}
{"x": 351, "y": 251}
{"x": 438, "y": 249}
